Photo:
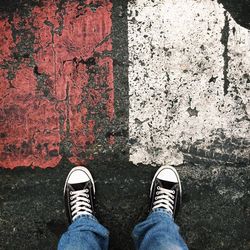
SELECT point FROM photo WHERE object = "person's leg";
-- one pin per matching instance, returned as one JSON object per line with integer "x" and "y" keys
{"x": 84, "y": 232}
{"x": 159, "y": 230}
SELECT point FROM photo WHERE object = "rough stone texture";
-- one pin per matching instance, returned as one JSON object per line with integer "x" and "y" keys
{"x": 215, "y": 212}
{"x": 188, "y": 83}
{"x": 57, "y": 92}
{"x": 239, "y": 10}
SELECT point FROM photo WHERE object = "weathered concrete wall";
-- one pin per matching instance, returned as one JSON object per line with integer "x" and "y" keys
{"x": 56, "y": 81}
{"x": 189, "y": 83}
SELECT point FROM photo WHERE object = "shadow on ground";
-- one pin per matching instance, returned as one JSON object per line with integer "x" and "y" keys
{"x": 215, "y": 212}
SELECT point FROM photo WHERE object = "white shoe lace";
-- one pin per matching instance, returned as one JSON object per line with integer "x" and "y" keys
{"x": 164, "y": 198}
{"x": 80, "y": 204}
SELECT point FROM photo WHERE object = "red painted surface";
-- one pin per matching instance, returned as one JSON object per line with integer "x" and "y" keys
{"x": 57, "y": 94}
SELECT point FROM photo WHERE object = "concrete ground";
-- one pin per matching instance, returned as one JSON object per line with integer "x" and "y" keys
{"x": 215, "y": 212}
{"x": 215, "y": 172}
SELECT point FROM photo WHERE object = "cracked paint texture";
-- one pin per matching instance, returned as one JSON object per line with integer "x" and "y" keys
{"x": 56, "y": 81}
{"x": 188, "y": 82}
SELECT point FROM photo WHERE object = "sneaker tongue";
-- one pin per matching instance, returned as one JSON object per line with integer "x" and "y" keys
{"x": 167, "y": 184}
{"x": 78, "y": 186}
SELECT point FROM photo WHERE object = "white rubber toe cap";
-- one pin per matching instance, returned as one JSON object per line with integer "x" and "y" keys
{"x": 167, "y": 174}
{"x": 78, "y": 176}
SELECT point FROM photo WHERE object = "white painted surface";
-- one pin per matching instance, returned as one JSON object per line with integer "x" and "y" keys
{"x": 174, "y": 50}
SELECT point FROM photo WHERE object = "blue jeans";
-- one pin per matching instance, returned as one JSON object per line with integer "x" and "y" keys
{"x": 157, "y": 232}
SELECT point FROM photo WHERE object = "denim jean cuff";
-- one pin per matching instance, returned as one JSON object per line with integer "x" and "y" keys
{"x": 86, "y": 216}
{"x": 161, "y": 211}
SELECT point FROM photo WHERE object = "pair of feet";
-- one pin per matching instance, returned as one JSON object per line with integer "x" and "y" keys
{"x": 79, "y": 192}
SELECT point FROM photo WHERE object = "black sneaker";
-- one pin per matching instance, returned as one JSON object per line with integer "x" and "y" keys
{"x": 79, "y": 192}
{"x": 165, "y": 191}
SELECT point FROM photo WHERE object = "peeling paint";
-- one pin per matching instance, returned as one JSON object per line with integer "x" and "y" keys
{"x": 186, "y": 83}
{"x": 57, "y": 83}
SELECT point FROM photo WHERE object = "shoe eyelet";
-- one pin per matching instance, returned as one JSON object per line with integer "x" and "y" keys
{"x": 70, "y": 193}
{"x": 157, "y": 193}
{"x": 173, "y": 191}
{"x": 158, "y": 188}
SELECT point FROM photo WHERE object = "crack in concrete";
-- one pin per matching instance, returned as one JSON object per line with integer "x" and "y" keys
{"x": 105, "y": 39}
{"x": 224, "y": 41}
